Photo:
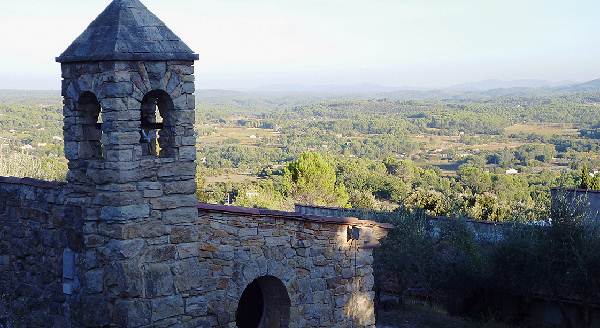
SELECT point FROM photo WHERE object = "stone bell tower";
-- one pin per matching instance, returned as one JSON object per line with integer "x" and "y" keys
{"x": 128, "y": 89}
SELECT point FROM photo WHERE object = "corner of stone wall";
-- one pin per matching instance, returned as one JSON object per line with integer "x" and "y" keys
{"x": 40, "y": 239}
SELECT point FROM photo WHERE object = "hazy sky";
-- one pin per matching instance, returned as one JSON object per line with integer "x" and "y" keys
{"x": 252, "y": 43}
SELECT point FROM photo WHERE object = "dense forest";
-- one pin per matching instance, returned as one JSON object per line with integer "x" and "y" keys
{"x": 482, "y": 156}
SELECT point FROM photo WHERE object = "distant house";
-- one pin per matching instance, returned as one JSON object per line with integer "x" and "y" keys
{"x": 512, "y": 171}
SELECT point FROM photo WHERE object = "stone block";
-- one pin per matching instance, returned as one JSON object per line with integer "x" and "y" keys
{"x": 158, "y": 280}
{"x": 157, "y": 68}
{"x": 123, "y": 249}
{"x": 161, "y": 253}
{"x": 180, "y": 187}
{"x": 187, "y": 153}
{"x": 94, "y": 281}
{"x": 183, "y": 234}
{"x": 189, "y": 141}
{"x": 123, "y": 213}
{"x": 172, "y": 202}
{"x": 119, "y": 155}
{"x": 4, "y": 261}
{"x": 116, "y": 90}
{"x": 111, "y": 107}
{"x": 187, "y": 250}
{"x": 68, "y": 258}
{"x": 188, "y": 87}
{"x": 133, "y": 313}
{"x": 196, "y": 306}
{"x": 187, "y": 276}
{"x": 178, "y": 169}
{"x": 180, "y": 215}
{"x": 167, "y": 307}
{"x": 124, "y": 279}
{"x": 96, "y": 311}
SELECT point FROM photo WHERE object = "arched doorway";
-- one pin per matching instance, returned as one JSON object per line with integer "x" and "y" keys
{"x": 265, "y": 303}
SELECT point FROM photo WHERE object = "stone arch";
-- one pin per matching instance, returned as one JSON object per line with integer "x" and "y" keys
{"x": 89, "y": 113}
{"x": 157, "y": 128}
{"x": 265, "y": 303}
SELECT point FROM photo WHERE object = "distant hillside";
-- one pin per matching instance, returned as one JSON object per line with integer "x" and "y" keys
{"x": 589, "y": 86}
{"x": 39, "y": 97}
{"x": 501, "y": 84}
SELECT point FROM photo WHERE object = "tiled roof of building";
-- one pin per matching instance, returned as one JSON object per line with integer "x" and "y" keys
{"x": 127, "y": 30}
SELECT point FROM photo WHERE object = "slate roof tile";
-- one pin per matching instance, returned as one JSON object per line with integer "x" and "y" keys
{"x": 127, "y": 30}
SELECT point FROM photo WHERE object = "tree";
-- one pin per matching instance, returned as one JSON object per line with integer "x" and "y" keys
{"x": 478, "y": 180}
{"x": 587, "y": 180}
{"x": 432, "y": 202}
{"x": 363, "y": 200}
{"x": 311, "y": 179}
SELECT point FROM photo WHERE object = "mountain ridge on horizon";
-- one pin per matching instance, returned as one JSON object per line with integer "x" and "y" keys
{"x": 379, "y": 89}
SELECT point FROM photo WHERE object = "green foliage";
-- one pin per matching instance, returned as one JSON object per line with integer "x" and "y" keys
{"x": 440, "y": 257}
{"x": 589, "y": 181}
{"x": 558, "y": 260}
{"x": 262, "y": 195}
{"x": 363, "y": 200}
{"x": 433, "y": 202}
{"x": 25, "y": 165}
{"x": 311, "y": 179}
{"x": 384, "y": 152}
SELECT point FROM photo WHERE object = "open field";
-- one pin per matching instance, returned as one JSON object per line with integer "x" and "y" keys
{"x": 218, "y": 134}
{"x": 231, "y": 178}
{"x": 543, "y": 129}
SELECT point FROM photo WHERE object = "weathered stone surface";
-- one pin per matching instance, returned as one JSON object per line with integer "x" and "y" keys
{"x": 180, "y": 187}
{"x": 184, "y": 234}
{"x": 196, "y": 306}
{"x": 94, "y": 281}
{"x": 133, "y": 313}
{"x": 159, "y": 280}
{"x": 122, "y": 213}
{"x": 167, "y": 307}
{"x": 179, "y": 215}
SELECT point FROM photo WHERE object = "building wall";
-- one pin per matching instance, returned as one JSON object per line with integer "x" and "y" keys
{"x": 484, "y": 231}
{"x": 194, "y": 274}
{"x": 132, "y": 198}
{"x": 329, "y": 279}
{"x": 39, "y": 239}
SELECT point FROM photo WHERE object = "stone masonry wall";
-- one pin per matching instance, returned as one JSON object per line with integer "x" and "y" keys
{"x": 39, "y": 239}
{"x": 132, "y": 197}
{"x": 192, "y": 274}
{"x": 329, "y": 279}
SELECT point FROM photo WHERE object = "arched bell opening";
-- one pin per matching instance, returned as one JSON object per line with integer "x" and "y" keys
{"x": 265, "y": 303}
{"x": 90, "y": 115}
{"x": 156, "y": 134}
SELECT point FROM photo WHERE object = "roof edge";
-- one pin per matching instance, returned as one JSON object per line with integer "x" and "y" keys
{"x": 130, "y": 57}
{"x": 290, "y": 215}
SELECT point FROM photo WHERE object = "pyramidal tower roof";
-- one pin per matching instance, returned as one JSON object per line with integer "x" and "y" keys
{"x": 127, "y": 30}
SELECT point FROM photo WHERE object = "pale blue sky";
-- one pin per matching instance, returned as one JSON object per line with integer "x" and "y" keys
{"x": 251, "y": 43}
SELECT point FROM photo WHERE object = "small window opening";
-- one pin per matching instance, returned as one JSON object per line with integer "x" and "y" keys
{"x": 155, "y": 133}
{"x": 90, "y": 113}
